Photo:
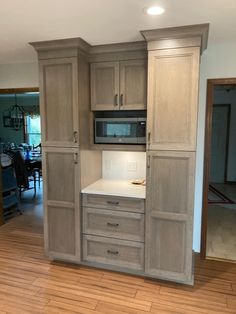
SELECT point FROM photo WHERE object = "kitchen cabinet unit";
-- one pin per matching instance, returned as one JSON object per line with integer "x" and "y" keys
{"x": 65, "y": 109}
{"x": 112, "y": 226}
{"x": 119, "y": 85}
{"x": 113, "y": 231}
{"x": 173, "y": 75}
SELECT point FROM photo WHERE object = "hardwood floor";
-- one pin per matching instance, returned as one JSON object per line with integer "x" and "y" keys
{"x": 29, "y": 283}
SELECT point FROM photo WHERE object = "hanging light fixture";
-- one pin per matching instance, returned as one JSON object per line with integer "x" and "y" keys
{"x": 17, "y": 116}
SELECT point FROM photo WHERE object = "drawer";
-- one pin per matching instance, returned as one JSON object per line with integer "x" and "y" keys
{"x": 115, "y": 252}
{"x": 114, "y": 202}
{"x": 115, "y": 224}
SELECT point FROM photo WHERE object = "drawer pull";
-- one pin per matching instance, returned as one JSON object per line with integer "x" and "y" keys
{"x": 110, "y": 224}
{"x": 112, "y": 203}
{"x": 113, "y": 252}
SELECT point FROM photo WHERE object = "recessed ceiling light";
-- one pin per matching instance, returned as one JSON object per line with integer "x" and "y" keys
{"x": 155, "y": 10}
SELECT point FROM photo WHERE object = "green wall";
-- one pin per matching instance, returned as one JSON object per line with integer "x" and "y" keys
{"x": 6, "y": 101}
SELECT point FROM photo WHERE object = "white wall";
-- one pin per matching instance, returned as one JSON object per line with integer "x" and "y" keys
{"x": 19, "y": 75}
{"x": 218, "y": 61}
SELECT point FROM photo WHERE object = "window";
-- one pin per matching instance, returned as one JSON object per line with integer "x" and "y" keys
{"x": 32, "y": 130}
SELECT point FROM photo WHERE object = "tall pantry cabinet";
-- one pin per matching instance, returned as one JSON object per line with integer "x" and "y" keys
{"x": 64, "y": 105}
{"x": 173, "y": 76}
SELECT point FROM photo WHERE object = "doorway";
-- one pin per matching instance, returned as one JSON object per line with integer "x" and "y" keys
{"x": 218, "y": 239}
{"x": 20, "y": 152}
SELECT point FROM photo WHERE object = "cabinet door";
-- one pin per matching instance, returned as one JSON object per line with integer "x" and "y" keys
{"x": 105, "y": 86}
{"x": 173, "y": 99}
{"x": 61, "y": 203}
{"x": 133, "y": 85}
{"x": 169, "y": 215}
{"x": 59, "y": 102}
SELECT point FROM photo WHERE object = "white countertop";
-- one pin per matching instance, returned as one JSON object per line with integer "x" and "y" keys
{"x": 117, "y": 188}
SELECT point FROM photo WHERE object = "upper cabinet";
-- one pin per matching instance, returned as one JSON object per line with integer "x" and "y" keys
{"x": 105, "y": 86}
{"x": 119, "y": 85}
{"x": 173, "y": 98}
{"x": 59, "y": 101}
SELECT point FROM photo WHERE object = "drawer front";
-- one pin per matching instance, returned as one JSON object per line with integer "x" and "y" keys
{"x": 115, "y": 252}
{"x": 115, "y": 224}
{"x": 114, "y": 202}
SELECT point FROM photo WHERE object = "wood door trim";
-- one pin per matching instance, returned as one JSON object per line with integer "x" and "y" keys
{"x": 18, "y": 90}
{"x": 208, "y": 128}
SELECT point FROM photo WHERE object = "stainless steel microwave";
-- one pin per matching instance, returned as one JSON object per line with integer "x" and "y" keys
{"x": 120, "y": 130}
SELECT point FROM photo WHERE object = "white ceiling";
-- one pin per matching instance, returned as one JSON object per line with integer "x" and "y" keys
{"x": 103, "y": 21}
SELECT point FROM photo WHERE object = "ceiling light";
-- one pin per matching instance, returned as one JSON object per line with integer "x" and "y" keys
{"x": 155, "y": 10}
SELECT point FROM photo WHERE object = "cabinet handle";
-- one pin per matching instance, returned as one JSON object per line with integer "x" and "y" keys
{"x": 110, "y": 224}
{"x": 116, "y": 99}
{"x": 148, "y": 162}
{"x": 149, "y": 138}
{"x": 76, "y": 158}
{"x": 112, "y": 203}
{"x": 121, "y": 100}
{"x": 75, "y": 136}
{"x": 112, "y": 252}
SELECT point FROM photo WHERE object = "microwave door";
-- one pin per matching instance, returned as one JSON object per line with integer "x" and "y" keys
{"x": 116, "y": 132}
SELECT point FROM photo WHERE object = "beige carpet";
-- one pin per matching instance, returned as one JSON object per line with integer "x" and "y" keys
{"x": 221, "y": 233}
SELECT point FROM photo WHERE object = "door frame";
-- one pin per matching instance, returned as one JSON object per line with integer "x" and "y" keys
{"x": 12, "y": 91}
{"x": 207, "y": 154}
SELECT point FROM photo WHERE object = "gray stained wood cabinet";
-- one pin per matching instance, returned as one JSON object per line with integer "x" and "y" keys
{"x": 153, "y": 238}
{"x": 59, "y": 101}
{"x": 169, "y": 214}
{"x": 173, "y": 98}
{"x": 173, "y": 78}
{"x": 119, "y": 85}
{"x": 62, "y": 216}
{"x": 113, "y": 231}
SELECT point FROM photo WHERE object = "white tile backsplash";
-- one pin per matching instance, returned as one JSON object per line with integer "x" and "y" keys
{"x": 123, "y": 165}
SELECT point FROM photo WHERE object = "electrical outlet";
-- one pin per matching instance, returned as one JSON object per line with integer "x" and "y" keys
{"x": 132, "y": 166}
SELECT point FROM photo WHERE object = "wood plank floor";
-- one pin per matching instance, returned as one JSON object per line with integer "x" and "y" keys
{"x": 29, "y": 283}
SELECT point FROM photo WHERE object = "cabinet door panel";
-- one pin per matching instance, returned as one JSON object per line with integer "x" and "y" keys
{"x": 61, "y": 177}
{"x": 169, "y": 215}
{"x": 105, "y": 86}
{"x": 173, "y": 98}
{"x": 61, "y": 202}
{"x": 61, "y": 230}
{"x": 59, "y": 102}
{"x": 133, "y": 85}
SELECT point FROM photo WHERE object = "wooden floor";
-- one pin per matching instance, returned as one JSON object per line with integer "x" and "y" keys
{"x": 29, "y": 283}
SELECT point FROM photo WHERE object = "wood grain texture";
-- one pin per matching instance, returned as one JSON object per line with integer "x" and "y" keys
{"x": 169, "y": 215}
{"x": 105, "y": 86}
{"x": 113, "y": 224}
{"x": 29, "y": 283}
{"x": 59, "y": 101}
{"x": 173, "y": 76}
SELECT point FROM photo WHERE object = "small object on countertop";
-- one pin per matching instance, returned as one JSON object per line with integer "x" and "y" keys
{"x": 139, "y": 182}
